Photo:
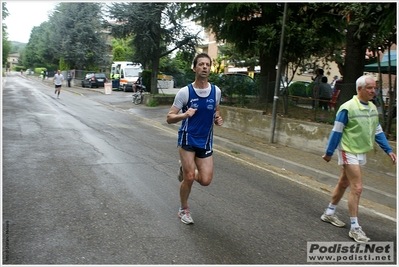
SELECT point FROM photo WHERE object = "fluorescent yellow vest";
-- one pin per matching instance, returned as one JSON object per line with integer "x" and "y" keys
{"x": 359, "y": 134}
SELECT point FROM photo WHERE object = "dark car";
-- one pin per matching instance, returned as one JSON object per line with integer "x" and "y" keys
{"x": 94, "y": 80}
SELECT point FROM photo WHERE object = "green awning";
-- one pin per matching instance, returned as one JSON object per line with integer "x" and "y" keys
{"x": 383, "y": 65}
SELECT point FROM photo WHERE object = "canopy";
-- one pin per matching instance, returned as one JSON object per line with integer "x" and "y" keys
{"x": 384, "y": 67}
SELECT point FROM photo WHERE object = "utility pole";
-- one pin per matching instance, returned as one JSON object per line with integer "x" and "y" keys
{"x": 278, "y": 76}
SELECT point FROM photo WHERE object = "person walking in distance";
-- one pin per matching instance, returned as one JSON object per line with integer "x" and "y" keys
{"x": 69, "y": 79}
{"x": 317, "y": 82}
{"x": 57, "y": 80}
{"x": 324, "y": 93}
{"x": 199, "y": 103}
{"x": 355, "y": 129}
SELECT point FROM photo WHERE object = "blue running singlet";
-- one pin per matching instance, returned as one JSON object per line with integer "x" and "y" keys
{"x": 197, "y": 131}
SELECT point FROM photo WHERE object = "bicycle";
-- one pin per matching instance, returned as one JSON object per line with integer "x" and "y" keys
{"x": 138, "y": 96}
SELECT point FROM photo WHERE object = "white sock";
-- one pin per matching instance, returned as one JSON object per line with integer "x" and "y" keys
{"x": 331, "y": 209}
{"x": 354, "y": 223}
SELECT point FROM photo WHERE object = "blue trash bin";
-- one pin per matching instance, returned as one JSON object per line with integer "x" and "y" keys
{"x": 115, "y": 84}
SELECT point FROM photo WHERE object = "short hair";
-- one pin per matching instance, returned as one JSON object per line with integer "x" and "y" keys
{"x": 324, "y": 79}
{"x": 201, "y": 56}
{"x": 362, "y": 81}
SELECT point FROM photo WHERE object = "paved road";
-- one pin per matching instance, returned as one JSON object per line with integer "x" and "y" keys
{"x": 86, "y": 182}
{"x": 380, "y": 188}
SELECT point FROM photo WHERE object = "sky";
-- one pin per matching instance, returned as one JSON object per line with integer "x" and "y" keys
{"x": 23, "y": 16}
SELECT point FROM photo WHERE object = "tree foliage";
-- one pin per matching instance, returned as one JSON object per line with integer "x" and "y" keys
{"x": 82, "y": 42}
{"x": 156, "y": 29}
{"x": 6, "y": 45}
{"x": 72, "y": 35}
{"x": 122, "y": 49}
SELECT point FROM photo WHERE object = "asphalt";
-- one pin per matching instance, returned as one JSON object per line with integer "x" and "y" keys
{"x": 379, "y": 189}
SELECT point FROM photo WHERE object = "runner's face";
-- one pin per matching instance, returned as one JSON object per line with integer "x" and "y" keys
{"x": 203, "y": 67}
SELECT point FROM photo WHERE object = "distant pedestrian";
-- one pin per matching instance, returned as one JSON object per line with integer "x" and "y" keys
{"x": 69, "y": 78}
{"x": 334, "y": 81}
{"x": 355, "y": 129}
{"x": 324, "y": 93}
{"x": 338, "y": 85}
{"x": 57, "y": 81}
{"x": 317, "y": 82}
{"x": 199, "y": 102}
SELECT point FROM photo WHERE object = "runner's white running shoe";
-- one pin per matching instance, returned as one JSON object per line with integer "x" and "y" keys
{"x": 333, "y": 219}
{"x": 185, "y": 215}
{"x": 358, "y": 235}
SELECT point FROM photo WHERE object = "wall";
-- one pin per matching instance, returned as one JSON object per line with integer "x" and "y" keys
{"x": 307, "y": 136}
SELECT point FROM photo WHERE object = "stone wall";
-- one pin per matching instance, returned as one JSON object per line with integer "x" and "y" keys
{"x": 307, "y": 136}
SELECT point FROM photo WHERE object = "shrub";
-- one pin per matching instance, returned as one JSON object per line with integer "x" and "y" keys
{"x": 152, "y": 103}
{"x": 309, "y": 89}
{"x": 297, "y": 89}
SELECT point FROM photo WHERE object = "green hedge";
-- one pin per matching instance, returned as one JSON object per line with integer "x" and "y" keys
{"x": 300, "y": 89}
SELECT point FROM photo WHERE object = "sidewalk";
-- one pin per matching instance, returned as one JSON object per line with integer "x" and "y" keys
{"x": 379, "y": 190}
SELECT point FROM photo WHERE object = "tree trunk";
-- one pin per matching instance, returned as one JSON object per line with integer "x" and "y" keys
{"x": 268, "y": 75}
{"x": 355, "y": 54}
{"x": 156, "y": 36}
{"x": 154, "y": 74}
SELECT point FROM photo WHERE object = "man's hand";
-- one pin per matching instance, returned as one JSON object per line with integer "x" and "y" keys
{"x": 190, "y": 112}
{"x": 326, "y": 158}
{"x": 393, "y": 157}
{"x": 218, "y": 121}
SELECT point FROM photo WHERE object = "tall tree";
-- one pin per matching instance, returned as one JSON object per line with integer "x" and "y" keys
{"x": 314, "y": 38}
{"x": 72, "y": 35}
{"x": 382, "y": 41}
{"x": 255, "y": 30}
{"x": 77, "y": 36}
{"x": 36, "y": 53}
{"x": 6, "y": 45}
{"x": 363, "y": 23}
{"x": 157, "y": 30}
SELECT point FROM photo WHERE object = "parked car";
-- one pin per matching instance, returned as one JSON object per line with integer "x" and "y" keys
{"x": 94, "y": 80}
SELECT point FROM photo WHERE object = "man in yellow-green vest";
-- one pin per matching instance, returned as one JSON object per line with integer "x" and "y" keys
{"x": 355, "y": 130}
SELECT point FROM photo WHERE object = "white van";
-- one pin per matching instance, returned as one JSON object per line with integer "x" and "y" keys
{"x": 127, "y": 72}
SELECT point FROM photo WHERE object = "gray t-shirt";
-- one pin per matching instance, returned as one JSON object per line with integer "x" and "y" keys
{"x": 181, "y": 98}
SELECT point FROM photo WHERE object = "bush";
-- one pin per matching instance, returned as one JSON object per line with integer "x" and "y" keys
{"x": 152, "y": 103}
{"x": 301, "y": 89}
{"x": 18, "y": 68}
{"x": 309, "y": 89}
{"x": 297, "y": 89}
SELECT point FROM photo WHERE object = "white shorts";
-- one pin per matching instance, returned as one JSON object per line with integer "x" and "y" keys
{"x": 345, "y": 158}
